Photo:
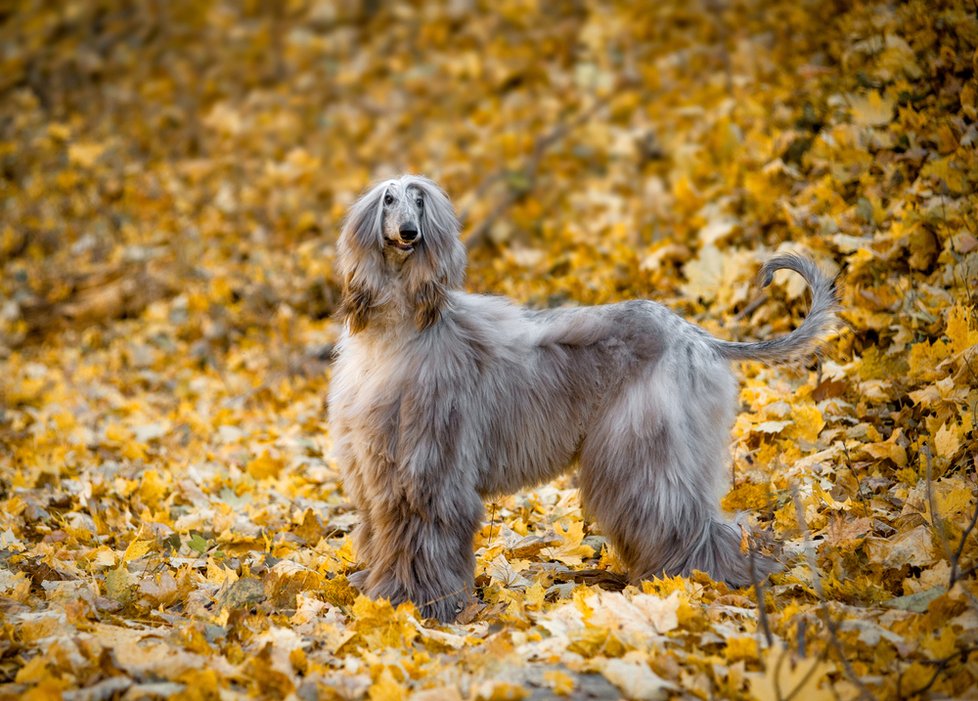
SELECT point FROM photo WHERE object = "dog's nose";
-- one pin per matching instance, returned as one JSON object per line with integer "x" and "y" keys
{"x": 409, "y": 232}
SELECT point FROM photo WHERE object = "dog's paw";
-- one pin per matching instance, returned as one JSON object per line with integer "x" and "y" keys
{"x": 445, "y": 609}
{"x": 358, "y": 580}
{"x": 720, "y": 555}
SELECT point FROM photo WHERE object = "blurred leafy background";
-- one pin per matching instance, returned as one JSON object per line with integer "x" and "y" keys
{"x": 173, "y": 177}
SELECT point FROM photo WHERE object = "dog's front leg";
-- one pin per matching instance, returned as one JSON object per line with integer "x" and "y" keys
{"x": 355, "y": 486}
{"x": 425, "y": 511}
{"x": 425, "y": 556}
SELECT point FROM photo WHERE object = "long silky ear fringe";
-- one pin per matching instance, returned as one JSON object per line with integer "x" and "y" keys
{"x": 428, "y": 303}
{"x": 355, "y": 307}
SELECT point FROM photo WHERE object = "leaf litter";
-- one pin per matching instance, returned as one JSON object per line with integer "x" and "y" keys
{"x": 174, "y": 175}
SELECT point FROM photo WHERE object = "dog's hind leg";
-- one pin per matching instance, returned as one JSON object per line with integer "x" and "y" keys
{"x": 362, "y": 536}
{"x": 652, "y": 470}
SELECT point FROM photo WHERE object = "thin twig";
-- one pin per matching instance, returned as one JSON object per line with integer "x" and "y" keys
{"x": 759, "y": 594}
{"x": 776, "y": 677}
{"x": 830, "y": 624}
{"x": 800, "y": 636}
{"x": 803, "y": 681}
{"x": 752, "y": 307}
{"x": 968, "y": 357}
{"x": 935, "y": 518}
{"x": 855, "y": 475}
{"x": 941, "y": 666}
{"x": 492, "y": 519}
{"x": 450, "y": 594}
{"x": 956, "y": 574}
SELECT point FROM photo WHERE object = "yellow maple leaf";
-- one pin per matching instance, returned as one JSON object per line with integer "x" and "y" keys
{"x": 740, "y": 648}
{"x": 559, "y": 682}
{"x": 889, "y": 448}
{"x": 872, "y": 110}
{"x": 500, "y": 691}
{"x": 201, "y": 685}
{"x": 84, "y": 153}
{"x": 133, "y": 450}
{"x": 533, "y": 598}
{"x": 959, "y": 330}
{"x": 34, "y": 671}
{"x": 948, "y": 171}
{"x": 969, "y": 101}
{"x": 572, "y": 549}
{"x": 137, "y": 549}
{"x": 220, "y": 574}
{"x": 954, "y": 496}
{"x": 103, "y": 556}
{"x": 808, "y": 422}
{"x": 386, "y": 688}
{"x": 152, "y": 487}
{"x": 926, "y": 357}
{"x": 785, "y": 676}
{"x": 747, "y": 496}
{"x": 50, "y": 689}
{"x": 264, "y": 466}
{"x": 382, "y": 624}
{"x": 117, "y": 433}
{"x": 829, "y": 500}
{"x": 947, "y": 441}
{"x": 703, "y": 274}
{"x": 942, "y": 643}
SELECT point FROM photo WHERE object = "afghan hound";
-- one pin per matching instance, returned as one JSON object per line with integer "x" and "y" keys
{"x": 440, "y": 399}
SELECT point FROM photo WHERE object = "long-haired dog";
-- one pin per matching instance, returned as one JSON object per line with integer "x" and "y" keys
{"x": 441, "y": 399}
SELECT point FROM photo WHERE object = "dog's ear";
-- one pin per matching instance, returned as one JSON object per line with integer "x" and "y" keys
{"x": 429, "y": 299}
{"x": 359, "y": 257}
{"x": 438, "y": 264}
{"x": 355, "y": 307}
{"x": 363, "y": 226}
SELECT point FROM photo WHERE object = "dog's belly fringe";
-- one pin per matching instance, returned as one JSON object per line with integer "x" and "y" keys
{"x": 525, "y": 384}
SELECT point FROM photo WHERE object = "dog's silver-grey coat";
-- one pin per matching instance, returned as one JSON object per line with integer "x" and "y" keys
{"x": 440, "y": 399}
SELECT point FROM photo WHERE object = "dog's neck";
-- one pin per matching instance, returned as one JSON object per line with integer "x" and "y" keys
{"x": 393, "y": 313}
{"x": 393, "y": 298}
{"x": 394, "y": 258}
{"x": 392, "y": 316}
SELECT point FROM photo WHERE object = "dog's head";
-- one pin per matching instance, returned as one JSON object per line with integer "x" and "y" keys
{"x": 404, "y": 229}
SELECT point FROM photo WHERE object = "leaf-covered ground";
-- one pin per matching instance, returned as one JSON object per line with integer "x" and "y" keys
{"x": 173, "y": 175}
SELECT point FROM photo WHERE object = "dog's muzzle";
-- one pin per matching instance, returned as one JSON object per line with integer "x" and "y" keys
{"x": 409, "y": 232}
{"x": 407, "y": 238}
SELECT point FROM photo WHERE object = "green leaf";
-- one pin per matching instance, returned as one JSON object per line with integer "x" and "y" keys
{"x": 918, "y": 602}
{"x": 197, "y": 543}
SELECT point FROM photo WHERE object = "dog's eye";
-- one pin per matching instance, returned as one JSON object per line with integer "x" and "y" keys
{"x": 420, "y": 202}
{"x": 388, "y": 198}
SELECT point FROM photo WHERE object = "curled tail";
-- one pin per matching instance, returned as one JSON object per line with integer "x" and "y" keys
{"x": 801, "y": 341}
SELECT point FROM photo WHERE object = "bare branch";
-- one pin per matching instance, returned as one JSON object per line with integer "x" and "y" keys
{"x": 528, "y": 173}
{"x": 759, "y": 595}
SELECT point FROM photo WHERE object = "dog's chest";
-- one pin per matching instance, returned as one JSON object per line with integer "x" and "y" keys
{"x": 368, "y": 380}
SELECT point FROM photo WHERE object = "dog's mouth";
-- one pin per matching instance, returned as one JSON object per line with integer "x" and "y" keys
{"x": 399, "y": 245}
